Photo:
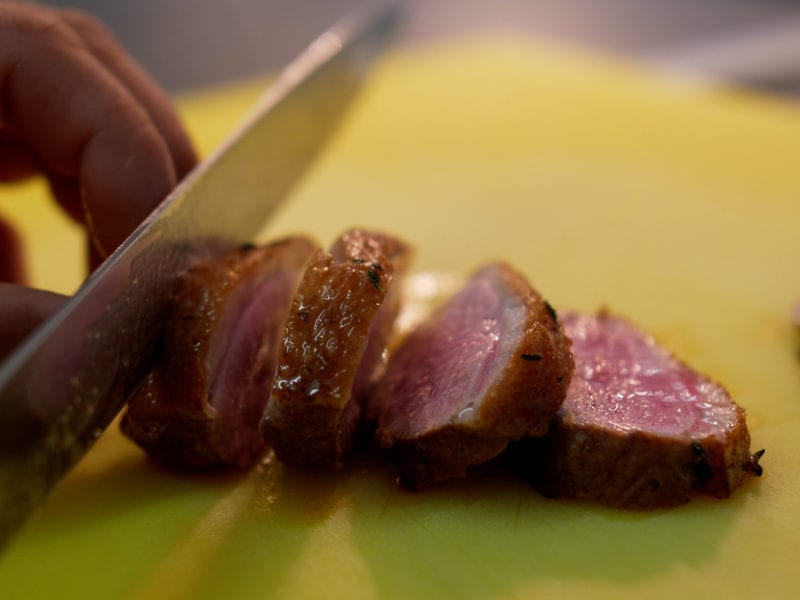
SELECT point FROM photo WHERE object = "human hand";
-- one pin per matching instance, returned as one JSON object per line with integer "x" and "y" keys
{"x": 77, "y": 109}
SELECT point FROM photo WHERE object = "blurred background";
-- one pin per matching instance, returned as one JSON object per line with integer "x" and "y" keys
{"x": 188, "y": 44}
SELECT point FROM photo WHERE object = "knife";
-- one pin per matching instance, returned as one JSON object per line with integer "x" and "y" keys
{"x": 64, "y": 385}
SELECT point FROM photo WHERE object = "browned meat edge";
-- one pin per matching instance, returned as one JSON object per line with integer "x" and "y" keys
{"x": 521, "y": 402}
{"x": 311, "y": 417}
{"x": 168, "y": 415}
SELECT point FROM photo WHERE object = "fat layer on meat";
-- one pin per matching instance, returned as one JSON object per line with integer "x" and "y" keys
{"x": 638, "y": 429}
{"x": 201, "y": 404}
{"x": 489, "y": 366}
{"x": 332, "y": 350}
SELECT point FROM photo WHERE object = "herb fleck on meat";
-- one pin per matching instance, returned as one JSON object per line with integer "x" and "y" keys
{"x": 374, "y": 278}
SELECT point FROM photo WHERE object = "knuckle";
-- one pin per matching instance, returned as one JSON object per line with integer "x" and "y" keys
{"x": 84, "y": 24}
{"x": 33, "y": 23}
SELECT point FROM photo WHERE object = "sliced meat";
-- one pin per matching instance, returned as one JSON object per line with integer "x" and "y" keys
{"x": 638, "y": 429}
{"x": 333, "y": 348}
{"x": 490, "y": 365}
{"x": 201, "y": 405}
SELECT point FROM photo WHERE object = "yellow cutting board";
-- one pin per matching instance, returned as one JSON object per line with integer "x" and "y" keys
{"x": 673, "y": 204}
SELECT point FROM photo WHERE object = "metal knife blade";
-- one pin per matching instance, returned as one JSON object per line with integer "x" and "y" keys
{"x": 62, "y": 387}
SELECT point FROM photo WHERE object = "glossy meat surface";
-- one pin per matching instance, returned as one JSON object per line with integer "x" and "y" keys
{"x": 332, "y": 349}
{"x": 639, "y": 429}
{"x": 489, "y": 366}
{"x": 201, "y": 404}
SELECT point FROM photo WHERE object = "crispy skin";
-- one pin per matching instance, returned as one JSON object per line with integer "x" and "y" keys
{"x": 371, "y": 246}
{"x": 200, "y": 405}
{"x": 527, "y": 374}
{"x": 633, "y": 461}
{"x": 314, "y": 409}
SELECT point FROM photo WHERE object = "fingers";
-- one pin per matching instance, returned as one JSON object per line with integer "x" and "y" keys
{"x": 103, "y": 45}
{"x": 11, "y": 266}
{"x": 21, "y": 311}
{"x": 17, "y": 161}
{"x": 81, "y": 121}
{"x": 75, "y": 107}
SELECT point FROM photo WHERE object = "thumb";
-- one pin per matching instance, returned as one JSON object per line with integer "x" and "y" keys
{"x": 21, "y": 311}
{"x": 11, "y": 267}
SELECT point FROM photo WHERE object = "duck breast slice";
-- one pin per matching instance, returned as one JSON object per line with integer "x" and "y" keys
{"x": 201, "y": 404}
{"x": 639, "y": 429}
{"x": 333, "y": 347}
{"x": 490, "y": 365}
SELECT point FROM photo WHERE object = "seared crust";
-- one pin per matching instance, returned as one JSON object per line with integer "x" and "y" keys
{"x": 170, "y": 414}
{"x": 638, "y": 469}
{"x": 529, "y": 392}
{"x": 312, "y": 414}
{"x": 443, "y": 454}
{"x": 520, "y": 401}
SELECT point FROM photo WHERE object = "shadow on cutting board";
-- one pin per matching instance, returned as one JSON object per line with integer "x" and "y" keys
{"x": 246, "y": 543}
{"x": 491, "y": 535}
{"x": 121, "y": 525}
{"x": 279, "y": 529}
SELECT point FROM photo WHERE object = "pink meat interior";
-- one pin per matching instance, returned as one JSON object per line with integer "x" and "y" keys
{"x": 625, "y": 382}
{"x": 444, "y": 368}
{"x": 243, "y": 347}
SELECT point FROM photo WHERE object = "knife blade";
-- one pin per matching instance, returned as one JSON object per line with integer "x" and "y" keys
{"x": 64, "y": 385}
